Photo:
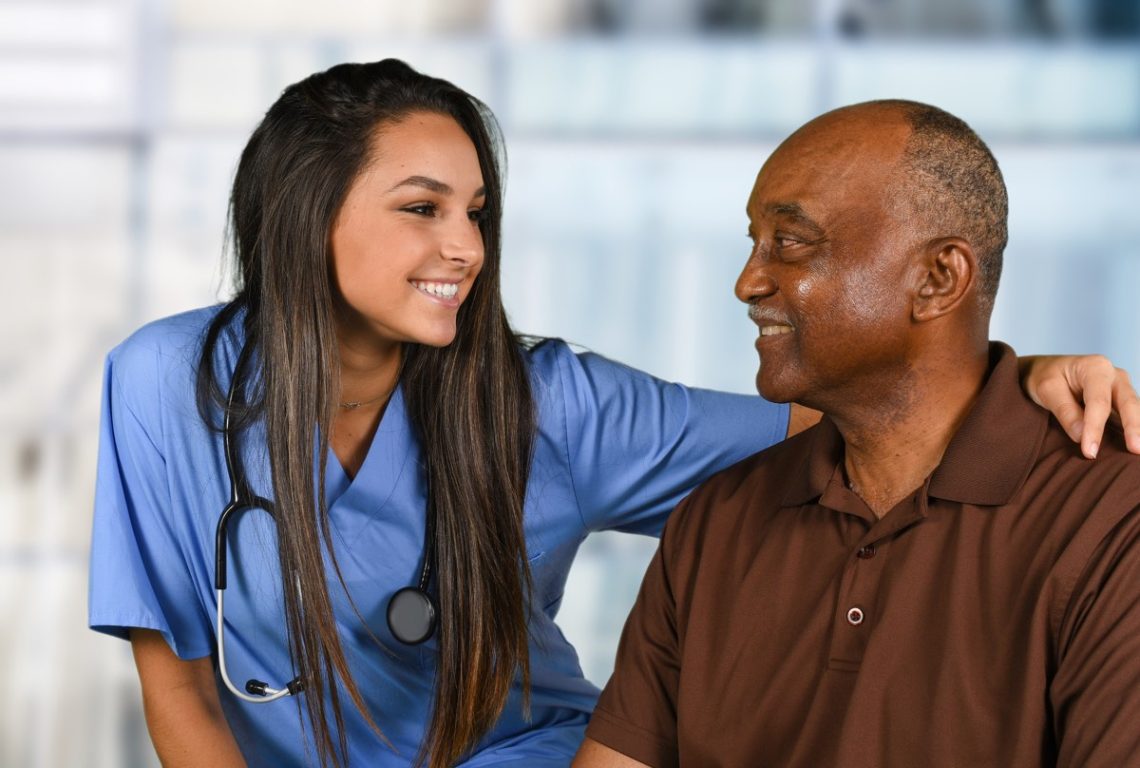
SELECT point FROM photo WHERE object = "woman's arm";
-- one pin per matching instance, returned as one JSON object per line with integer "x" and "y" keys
{"x": 183, "y": 711}
{"x": 801, "y": 418}
{"x": 1055, "y": 382}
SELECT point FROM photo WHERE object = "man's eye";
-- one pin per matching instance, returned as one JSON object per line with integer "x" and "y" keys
{"x": 786, "y": 242}
{"x": 421, "y": 209}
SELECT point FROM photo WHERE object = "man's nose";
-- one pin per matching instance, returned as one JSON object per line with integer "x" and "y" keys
{"x": 756, "y": 280}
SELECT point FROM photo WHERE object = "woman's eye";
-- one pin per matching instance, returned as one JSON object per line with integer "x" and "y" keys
{"x": 476, "y": 214}
{"x": 421, "y": 209}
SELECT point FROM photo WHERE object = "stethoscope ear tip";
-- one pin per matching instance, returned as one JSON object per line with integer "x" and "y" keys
{"x": 262, "y": 689}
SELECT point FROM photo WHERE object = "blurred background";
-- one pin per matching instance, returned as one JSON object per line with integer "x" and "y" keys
{"x": 635, "y": 129}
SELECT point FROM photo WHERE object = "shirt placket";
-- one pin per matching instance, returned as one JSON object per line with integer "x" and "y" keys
{"x": 859, "y": 587}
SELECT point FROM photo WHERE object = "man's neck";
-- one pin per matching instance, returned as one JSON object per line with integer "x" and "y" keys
{"x": 891, "y": 450}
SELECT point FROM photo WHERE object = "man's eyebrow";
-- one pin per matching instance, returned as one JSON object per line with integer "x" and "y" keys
{"x": 432, "y": 185}
{"x": 795, "y": 212}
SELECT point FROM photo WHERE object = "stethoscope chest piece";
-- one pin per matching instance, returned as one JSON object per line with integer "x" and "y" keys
{"x": 411, "y": 616}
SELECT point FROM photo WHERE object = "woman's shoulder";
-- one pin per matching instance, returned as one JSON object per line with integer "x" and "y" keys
{"x": 157, "y": 365}
{"x": 544, "y": 355}
{"x": 556, "y": 360}
{"x": 168, "y": 340}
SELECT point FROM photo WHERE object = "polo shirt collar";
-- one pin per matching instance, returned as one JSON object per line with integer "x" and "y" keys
{"x": 991, "y": 455}
{"x": 987, "y": 460}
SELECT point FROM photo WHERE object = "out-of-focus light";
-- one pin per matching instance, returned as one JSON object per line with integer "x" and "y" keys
{"x": 70, "y": 26}
{"x": 83, "y": 81}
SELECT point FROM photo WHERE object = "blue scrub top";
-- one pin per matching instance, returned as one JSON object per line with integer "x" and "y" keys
{"x": 616, "y": 449}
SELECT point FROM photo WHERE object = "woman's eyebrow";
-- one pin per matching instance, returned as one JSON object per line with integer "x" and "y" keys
{"x": 433, "y": 185}
{"x": 426, "y": 182}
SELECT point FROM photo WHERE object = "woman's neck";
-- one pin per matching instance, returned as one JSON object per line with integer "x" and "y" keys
{"x": 369, "y": 372}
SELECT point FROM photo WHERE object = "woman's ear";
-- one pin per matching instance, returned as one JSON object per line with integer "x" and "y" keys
{"x": 948, "y": 273}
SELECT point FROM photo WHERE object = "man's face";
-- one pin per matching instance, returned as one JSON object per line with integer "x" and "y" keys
{"x": 826, "y": 278}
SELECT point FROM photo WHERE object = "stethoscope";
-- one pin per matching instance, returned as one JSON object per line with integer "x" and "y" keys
{"x": 411, "y": 611}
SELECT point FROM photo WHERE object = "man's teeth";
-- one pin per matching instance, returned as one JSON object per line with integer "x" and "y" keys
{"x": 772, "y": 330}
{"x": 442, "y": 290}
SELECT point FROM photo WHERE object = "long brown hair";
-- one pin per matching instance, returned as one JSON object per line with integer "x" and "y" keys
{"x": 290, "y": 183}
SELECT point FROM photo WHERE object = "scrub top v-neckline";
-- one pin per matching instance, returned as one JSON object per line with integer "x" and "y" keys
{"x": 389, "y": 456}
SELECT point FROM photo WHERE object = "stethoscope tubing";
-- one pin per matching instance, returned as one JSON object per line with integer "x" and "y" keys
{"x": 411, "y": 611}
{"x": 241, "y": 500}
{"x": 271, "y": 694}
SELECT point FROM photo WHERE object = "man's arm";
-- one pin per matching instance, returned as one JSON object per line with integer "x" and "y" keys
{"x": 1095, "y": 692}
{"x": 183, "y": 711}
{"x": 594, "y": 755}
{"x": 635, "y": 720}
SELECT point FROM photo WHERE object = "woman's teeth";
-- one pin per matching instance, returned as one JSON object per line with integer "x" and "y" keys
{"x": 442, "y": 290}
{"x": 772, "y": 330}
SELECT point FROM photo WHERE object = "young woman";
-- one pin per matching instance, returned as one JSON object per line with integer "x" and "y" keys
{"x": 430, "y": 475}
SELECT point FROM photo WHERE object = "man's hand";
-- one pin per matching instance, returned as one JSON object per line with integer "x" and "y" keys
{"x": 1062, "y": 383}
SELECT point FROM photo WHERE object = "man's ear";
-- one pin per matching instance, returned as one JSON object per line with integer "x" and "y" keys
{"x": 947, "y": 274}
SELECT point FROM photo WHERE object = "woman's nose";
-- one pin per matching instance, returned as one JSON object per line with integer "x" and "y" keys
{"x": 464, "y": 244}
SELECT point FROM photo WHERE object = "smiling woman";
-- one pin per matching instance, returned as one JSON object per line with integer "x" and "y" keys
{"x": 407, "y": 248}
{"x": 364, "y": 207}
{"x": 428, "y": 475}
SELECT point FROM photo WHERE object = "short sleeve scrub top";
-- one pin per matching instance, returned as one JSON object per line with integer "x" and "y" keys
{"x": 615, "y": 449}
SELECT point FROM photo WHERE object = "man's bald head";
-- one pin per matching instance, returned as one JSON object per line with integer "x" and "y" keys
{"x": 946, "y": 181}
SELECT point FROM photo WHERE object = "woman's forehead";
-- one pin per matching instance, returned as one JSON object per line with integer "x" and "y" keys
{"x": 427, "y": 145}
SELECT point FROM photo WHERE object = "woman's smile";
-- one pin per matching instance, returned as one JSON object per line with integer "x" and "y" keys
{"x": 443, "y": 292}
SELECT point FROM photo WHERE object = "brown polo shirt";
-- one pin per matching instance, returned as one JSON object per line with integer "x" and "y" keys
{"x": 991, "y": 619}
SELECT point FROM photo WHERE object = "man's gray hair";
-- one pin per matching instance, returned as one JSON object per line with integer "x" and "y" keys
{"x": 952, "y": 182}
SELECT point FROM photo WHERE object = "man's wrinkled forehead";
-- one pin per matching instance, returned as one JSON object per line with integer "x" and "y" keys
{"x": 846, "y": 154}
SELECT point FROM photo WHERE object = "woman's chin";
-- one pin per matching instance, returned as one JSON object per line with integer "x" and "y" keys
{"x": 441, "y": 338}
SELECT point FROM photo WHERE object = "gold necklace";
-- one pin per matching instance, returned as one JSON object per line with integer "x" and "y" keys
{"x": 352, "y": 405}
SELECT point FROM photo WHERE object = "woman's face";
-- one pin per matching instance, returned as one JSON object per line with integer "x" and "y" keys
{"x": 406, "y": 244}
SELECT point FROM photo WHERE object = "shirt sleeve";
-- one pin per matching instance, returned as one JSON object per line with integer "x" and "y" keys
{"x": 1095, "y": 693}
{"x": 637, "y": 712}
{"x": 637, "y": 445}
{"x": 138, "y": 573}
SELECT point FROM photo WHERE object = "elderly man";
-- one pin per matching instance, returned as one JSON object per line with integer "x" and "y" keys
{"x": 933, "y": 575}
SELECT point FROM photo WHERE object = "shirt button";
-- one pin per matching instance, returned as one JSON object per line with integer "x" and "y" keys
{"x": 866, "y": 553}
{"x": 855, "y": 616}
